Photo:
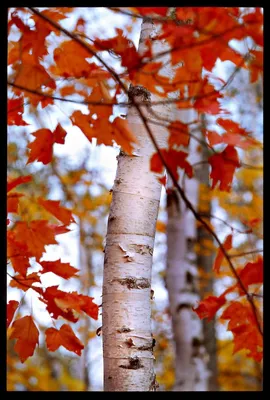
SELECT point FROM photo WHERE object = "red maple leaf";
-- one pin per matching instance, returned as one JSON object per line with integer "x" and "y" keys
{"x": 63, "y": 337}
{"x": 63, "y": 304}
{"x": 153, "y": 10}
{"x": 61, "y": 213}
{"x": 25, "y": 282}
{"x": 65, "y": 270}
{"x": 220, "y": 255}
{"x": 26, "y": 333}
{"x": 11, "y": 308}
{"x": 12, "y": 183}
{"x": 13, "y": 202}
{"x": 179, "y": 134}
{"x": 41, "y": 149}
{"x": 243, "y": 325}
{"x": 15, "y": 111}
{"x": 223, "y": 166}
{"x": 209, "y": 306}
{"x": 34, "y": 236}
{"x": 122, "y": 46}
{"x": 174, "y": 159}
{"x": 252, "y": 273}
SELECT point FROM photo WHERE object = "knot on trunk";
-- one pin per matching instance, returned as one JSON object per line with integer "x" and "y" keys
{"x": 133, "y": 363}
{"x": 139, "y": 91}
{"x": 134, "y": 283}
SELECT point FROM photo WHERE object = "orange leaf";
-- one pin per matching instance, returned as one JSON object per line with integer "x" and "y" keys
{"x": 26, "y": 333}
{"x": 12, "y": 183}
{"x": 244, "y": 328}
{"x": 67, "y": 90}
{"x": 59, "y": 134}
{"x": 223, "y": 167}
{"x": 11, "y": 308}
{"x": 63, "y": 337}
{"x": 70, "y": 59}
{"x": 256, "y": 65}
{"x": 13, "y": 52}
{"x": 123, "y": 134}
{"x": 58, "y": 229}
{"x": 234, "y": 135}
{"x": 85, "y": 123}
{"x": 254, "y": 25}
{"x": 61, "y": 213}
{"x": 252, "y": 272}
{"x": 13, "y": 202}
{"x": 122, "y": 46}
{"x": 179, "y": 134}
{"x": 25, "y": 282}
{"x": 15, "y": 111}
{"x": 209, "y": 306}
{"x": 33, "y": 76}
{"x": 17, "y": 253}
{"x": 48, "y": 297}
{"x": 213, "y": 138}
{"x": 77, "y": 302}
{"x": 104, "y": 130}
{"x": 148, "y": 77}
{"x": 35, "y": 236}
{"x": 54, "y": 15}
{"x": 41, "y": 149}
{"x": 80, "y": 26}
{"x": 153, "y": 10}
{"x": 173, "y": 159}
{"x": 65, "y": 270}
{"x": 20, "y": 264}
{"x": 207, "y": 98}
{"x": 60, "y": 303}
{"x": 231, "y": 126}
{"x": 220, "y": 256}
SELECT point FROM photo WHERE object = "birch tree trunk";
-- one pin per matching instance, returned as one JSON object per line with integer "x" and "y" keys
{"x": 181, "y": 276}
{"x": 126, "y": 307}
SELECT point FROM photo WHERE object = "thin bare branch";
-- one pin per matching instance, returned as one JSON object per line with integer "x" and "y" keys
{"x": 245, "y": 253}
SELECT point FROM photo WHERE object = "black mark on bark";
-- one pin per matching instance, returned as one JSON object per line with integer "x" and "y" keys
{"x": 142, "y": 249}
{"x": 134, "y": 363}
{"x": 153, "y": 385}
{"x": 182, "y": 306}
{"x": 124, "y": 329}
{"x": 134, "y": 283}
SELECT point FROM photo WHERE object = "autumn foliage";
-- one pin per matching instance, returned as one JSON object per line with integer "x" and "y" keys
{"x": 198, "y": 37}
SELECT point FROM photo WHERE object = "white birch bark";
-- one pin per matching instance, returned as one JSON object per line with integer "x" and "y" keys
{"x": 190, "y": 356}
{"x": 126, "y": 307}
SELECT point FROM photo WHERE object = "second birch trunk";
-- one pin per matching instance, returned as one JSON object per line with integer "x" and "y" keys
{"x": 181, "y": 279}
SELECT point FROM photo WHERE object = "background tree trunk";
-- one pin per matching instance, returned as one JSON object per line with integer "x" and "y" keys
{"x": 86, "y": 272}
{"x": 181, "y": 279}
{"x": 205, "y": 261}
